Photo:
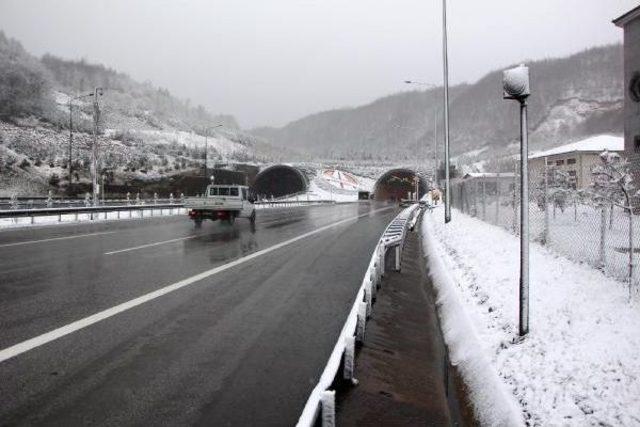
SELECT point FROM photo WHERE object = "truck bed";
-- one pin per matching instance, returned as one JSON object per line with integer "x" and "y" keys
{"x": 213, "y": 203}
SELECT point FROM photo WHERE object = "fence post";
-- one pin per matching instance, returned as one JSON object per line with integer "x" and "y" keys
{"x": 514, "y": 224}
{"x": 475, "y": 199}
{"x": 328, "y": 408}
{"x": 498, "y": 198}
{"x": 349, "y": 358}
{"x": 603, "y": 236}
{"x": 484, "y": 200}
{"x": 397, "y": 251}
{"x": 631, "y": 269}
{"x": 545, "y": 231}
{"x": 362, "y": 320}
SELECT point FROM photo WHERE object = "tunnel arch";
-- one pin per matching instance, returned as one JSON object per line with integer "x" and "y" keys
{"x": 395, "y": 184}
{"x": 279, "y": 180}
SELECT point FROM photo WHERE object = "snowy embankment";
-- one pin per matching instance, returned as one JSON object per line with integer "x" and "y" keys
{"x": 578, "y": 366}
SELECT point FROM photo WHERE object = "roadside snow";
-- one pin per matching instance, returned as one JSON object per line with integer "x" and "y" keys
{"x": 579, "y": 365}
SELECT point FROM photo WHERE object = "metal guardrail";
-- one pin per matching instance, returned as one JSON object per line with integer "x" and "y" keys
{"x": 95, "y": 211}
{"x": 322, "y": 400}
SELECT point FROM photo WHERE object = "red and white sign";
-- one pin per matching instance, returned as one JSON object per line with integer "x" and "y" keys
{"x": 340, "y": 179}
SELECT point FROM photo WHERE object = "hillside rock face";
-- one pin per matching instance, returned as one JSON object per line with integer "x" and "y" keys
{"x": 571, "y": 98}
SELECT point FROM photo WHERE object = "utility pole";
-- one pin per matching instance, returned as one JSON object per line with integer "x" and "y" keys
{"x": 206, "y": 150}
{"x": 70, "y": 142}
{"x": 435, "y": 149}
{"x": 515, "y": 84}
{"x": 71, "y": 99}
{"x": 445, "y": 66}
{"x": 94, "y": 149}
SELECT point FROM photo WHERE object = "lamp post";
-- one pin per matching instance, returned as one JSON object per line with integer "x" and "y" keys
{"x": 515, "y": 84}
{"x": 206, "y": 148}
{"x": 435, "y": 129}
{"x": 71, "y": 99}
{"x": 445, "y": 83}
{"x": 94, "y": 149}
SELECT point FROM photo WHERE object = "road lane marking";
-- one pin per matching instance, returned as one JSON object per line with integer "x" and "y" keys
{"x": 62, "y": 331}
{"x": 135, "y": 248}
{"x": 75, "y": 236}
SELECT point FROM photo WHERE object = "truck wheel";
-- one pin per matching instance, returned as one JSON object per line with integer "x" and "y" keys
{"x": 198, "y": 222}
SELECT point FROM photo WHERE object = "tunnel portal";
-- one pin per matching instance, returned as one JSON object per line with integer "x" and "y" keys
{"x": 396, "y": 184}
{"x": 279, "y": 181}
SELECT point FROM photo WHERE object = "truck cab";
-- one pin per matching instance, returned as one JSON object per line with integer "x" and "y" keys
{"x": 222, "y": 202}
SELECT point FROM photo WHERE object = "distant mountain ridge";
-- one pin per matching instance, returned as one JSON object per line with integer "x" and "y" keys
{"x": 572, "y": 97}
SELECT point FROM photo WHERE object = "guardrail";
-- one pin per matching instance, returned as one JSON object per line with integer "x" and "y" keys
{"x": 96, "y": 211}
{"x": 322, "y": 400}
{"x": 93, "y": 210}
{"x": 291, "y": 203}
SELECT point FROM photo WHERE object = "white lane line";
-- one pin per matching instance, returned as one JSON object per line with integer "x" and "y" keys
{"x": 62, "y": 331}
{"x": 135, "y": 248}
{"x": 75, "y": 236}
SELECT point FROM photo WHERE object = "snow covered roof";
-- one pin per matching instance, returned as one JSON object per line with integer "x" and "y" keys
{"x": 623, "y": 20}
{"x": 595, "y": 143}
{"x": 488, "y": 175}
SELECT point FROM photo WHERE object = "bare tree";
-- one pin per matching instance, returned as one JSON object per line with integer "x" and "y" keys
{"x": 613, "y": 185}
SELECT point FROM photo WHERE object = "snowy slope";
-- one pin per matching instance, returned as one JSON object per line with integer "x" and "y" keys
{"x": 579, "y": 365}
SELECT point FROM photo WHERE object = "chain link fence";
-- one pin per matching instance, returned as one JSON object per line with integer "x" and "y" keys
{"x": 573, "y": 222}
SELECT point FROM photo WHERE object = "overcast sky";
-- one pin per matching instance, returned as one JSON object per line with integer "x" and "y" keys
{"x": 272, "y": 61}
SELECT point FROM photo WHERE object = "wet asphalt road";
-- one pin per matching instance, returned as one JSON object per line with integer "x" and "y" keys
{"x": 244, "y": 346}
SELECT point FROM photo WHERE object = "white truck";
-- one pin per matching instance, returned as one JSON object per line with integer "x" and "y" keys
{"x": 222, "y": 202}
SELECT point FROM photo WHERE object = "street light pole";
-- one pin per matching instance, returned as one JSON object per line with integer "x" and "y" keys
{"x": 515, "y": 84}
{"x": 435, "y": 130}
{"x": 94, "y": 149}
{"x": 435, "y": 148}
{"x": 71, "y": 132}
{"x": 206, "y": 149}
{"x": 524, "y": 222}
{"x": 70, "y": 143}
{"x": 445, "y": 66}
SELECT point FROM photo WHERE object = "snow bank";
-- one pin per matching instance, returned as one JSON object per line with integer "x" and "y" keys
{"x": 578, "y": 366}
{"x": 493, "y": 405}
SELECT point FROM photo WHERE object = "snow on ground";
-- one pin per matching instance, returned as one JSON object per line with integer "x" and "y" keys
{"x": 579, "y": 365}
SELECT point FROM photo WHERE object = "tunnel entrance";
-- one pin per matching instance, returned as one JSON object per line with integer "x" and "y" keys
{"x": 278, "y": 181}
{"x": 396, "y": 184}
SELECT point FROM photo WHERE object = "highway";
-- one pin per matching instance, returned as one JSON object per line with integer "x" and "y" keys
{"x": 157, "y": 322}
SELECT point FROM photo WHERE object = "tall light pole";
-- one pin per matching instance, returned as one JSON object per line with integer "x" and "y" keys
{"x": 71, "y": 99}
{"x": 94, "y": 149}
{"x": 435, "y": 127}
{"x": 206, "y": 149}
{"x": 445, "y": 83}
{"x": 515, "y": 84}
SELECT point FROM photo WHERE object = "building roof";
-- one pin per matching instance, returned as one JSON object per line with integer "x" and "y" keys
{"x": 488, "y": 175}
{"x": 627, "y": 17}
{"x": 593, "y": 144}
